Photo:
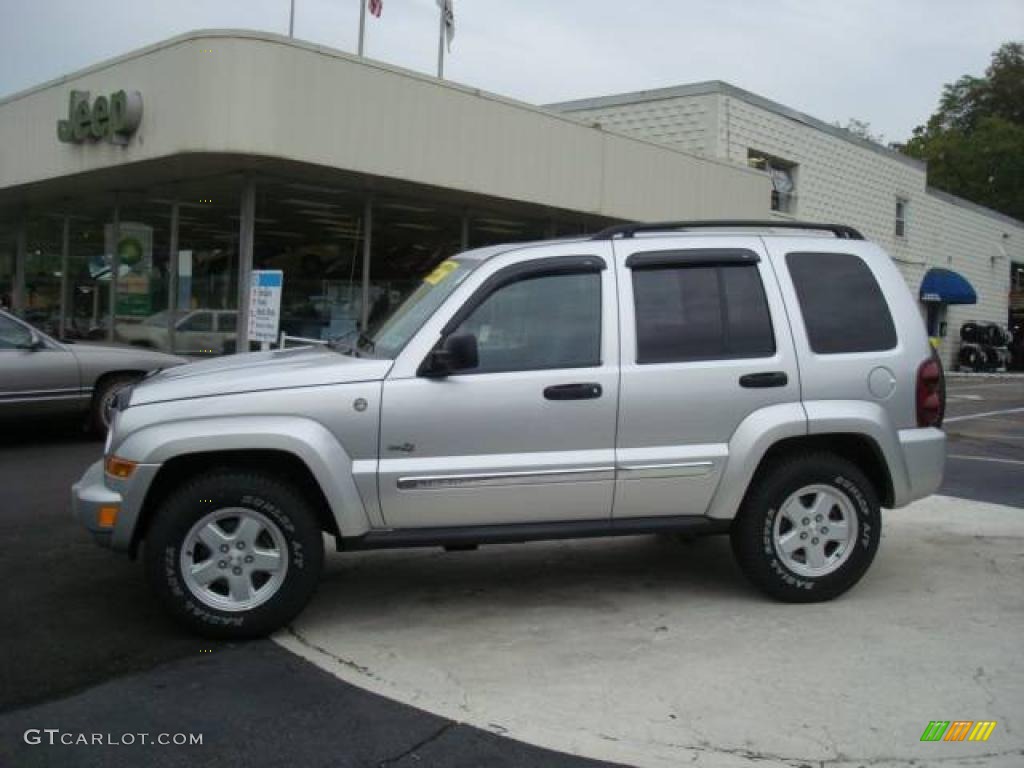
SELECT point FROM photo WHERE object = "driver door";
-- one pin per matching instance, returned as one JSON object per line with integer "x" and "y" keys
{"x": 528, "y": 434}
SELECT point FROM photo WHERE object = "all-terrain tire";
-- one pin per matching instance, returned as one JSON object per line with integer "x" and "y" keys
{"x": 755, "y": 532}
{"x": 287, "y": 526}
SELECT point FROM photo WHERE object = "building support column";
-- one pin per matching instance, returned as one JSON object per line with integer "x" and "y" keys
{"x": 65, "y": 258}
{"x": 115, "y": 267}
{"x": 172, "y": 276}
{"x": 246, "y": 242}
{"x": 367, "y": 249}
{"x": 20, "y": 257}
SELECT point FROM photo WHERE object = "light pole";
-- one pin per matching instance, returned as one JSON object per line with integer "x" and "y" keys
{"x": 291, "y": 20}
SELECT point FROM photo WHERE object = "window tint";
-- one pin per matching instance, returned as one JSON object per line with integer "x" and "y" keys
{"x": 12, "y": 334}
{"x": 701, "y": 313}
{"x": 550, "y": 321}
{"x": 199, "y": 322}
{"x": 842, "y": 305}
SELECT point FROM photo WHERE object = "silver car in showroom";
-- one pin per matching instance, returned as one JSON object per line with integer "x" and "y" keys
{"x": 40, "y": 375}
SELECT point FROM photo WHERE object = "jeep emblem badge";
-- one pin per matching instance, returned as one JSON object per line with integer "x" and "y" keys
{"x": 113, "y": 117}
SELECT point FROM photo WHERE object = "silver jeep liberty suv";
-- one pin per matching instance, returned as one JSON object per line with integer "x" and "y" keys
{"x": 769, "y": 380}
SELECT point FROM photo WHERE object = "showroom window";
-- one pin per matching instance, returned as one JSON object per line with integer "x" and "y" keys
{"x": 314, "y": 234}
{"x": 842, "y": 306}
{"x": 688, "y": 313}
{"x": 7, "y": 248}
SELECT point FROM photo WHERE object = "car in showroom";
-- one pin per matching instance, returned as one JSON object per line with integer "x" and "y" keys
{"x": 197, "y": 332}
{"x": 772, "y": 381}
{"x": 42, "y": 376}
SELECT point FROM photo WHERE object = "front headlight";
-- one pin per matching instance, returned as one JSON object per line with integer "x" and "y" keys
{"x": 110, "y": 434}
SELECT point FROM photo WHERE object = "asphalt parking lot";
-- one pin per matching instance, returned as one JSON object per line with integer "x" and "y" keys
{"x": 638, "y": 651}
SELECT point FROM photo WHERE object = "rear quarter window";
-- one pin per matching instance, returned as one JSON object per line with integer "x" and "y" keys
{"x": 841, "y": 303}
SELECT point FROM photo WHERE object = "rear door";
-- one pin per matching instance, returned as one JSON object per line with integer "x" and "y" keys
{"x": 227, "y": 329}
{"x": 705, "y": 344}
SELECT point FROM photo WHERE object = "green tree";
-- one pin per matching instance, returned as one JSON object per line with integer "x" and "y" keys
{"x": 862, "y": 130}
{"x": 974, "y": 143}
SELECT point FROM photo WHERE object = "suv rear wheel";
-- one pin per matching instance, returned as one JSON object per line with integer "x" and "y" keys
{"x": 234, "y": 554}
{"x": 809, "y": 528}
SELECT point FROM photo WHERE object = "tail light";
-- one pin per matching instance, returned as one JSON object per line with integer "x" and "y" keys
{"x": 931, "y": 393}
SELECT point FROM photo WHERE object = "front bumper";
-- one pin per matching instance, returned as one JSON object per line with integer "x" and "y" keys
{"x": 96, "y": 491}
{"x": 924, "y": 452}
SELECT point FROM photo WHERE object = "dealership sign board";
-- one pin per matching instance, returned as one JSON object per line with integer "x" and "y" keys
{"x": 113, "y": 118}
{"x": 265, "y": 304}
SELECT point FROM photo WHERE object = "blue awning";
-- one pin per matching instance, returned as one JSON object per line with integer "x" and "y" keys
{"x": 947, "y": 287}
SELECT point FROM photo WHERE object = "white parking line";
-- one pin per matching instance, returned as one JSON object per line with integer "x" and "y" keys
{"x": 984, "y": 415}
{"x": 956, "y": 386}
{"x": 984, "y": 458}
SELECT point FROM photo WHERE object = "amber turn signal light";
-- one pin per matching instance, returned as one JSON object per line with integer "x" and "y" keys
{"x": 121, "y": 468}
{"x": 106, "y": 517}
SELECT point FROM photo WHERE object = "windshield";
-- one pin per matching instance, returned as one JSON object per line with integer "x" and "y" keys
{"x": 389, "y": 339}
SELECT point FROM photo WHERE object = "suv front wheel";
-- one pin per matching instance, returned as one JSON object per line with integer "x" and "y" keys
{"x": 234, "y": 554}
{"x": 809, "y": 528}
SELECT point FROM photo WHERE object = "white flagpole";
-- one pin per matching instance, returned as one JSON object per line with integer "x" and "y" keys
{"x": 291, "y": 20}
{"x": 362, "y": 24}
{"x": 440, "y": 43}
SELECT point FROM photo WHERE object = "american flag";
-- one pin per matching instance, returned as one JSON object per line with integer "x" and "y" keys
{"x": 375, "y": 6}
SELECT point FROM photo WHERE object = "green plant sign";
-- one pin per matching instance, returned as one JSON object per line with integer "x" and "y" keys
{"x": 112, "y": 118}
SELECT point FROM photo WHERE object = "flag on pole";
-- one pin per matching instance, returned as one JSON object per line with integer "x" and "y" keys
{"x": 375, "y": 6}
{"x": 448, "y": 20}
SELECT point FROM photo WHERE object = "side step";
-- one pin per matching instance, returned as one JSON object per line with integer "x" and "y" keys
{"x": 463, "y": 537}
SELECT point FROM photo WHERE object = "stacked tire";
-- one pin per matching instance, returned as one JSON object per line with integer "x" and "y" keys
{"x": 984, "y": 347}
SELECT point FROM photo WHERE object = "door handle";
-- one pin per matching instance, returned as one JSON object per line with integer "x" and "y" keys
{"x": 764, "y": 380}
{"x": 588, "y": 391}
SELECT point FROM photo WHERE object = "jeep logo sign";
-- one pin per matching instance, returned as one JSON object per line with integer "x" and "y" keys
{"x": 113, "y": 117}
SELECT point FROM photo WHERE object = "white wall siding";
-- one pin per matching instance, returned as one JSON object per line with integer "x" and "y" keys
{"x": 687, "y": 124}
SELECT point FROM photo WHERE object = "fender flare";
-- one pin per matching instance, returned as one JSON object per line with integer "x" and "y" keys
{"x": 306, "y": 439}
{"x": 870, "y": 420}
{"x": 748, "y": 445}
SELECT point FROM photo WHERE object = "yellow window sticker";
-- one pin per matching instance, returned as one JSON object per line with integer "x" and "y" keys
{"x": 440, "y": 272}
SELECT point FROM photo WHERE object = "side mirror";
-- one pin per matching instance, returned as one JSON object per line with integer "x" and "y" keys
{"x": 455, "y": 353}
{"x": 34, "y": 344}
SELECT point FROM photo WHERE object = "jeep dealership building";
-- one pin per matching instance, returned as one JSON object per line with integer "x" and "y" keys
{"x": 183, "y": 166}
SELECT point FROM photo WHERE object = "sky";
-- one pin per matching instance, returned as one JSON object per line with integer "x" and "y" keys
{"x": 880, "y": 61}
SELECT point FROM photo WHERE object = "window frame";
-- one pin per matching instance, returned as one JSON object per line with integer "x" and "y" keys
{"x": 718, "y": 259}
{"x": 900, "y": 217}
{"x": 523, "y": 271}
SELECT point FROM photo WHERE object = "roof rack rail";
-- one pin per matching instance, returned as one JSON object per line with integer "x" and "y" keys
{"x": 841, "y": 231}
